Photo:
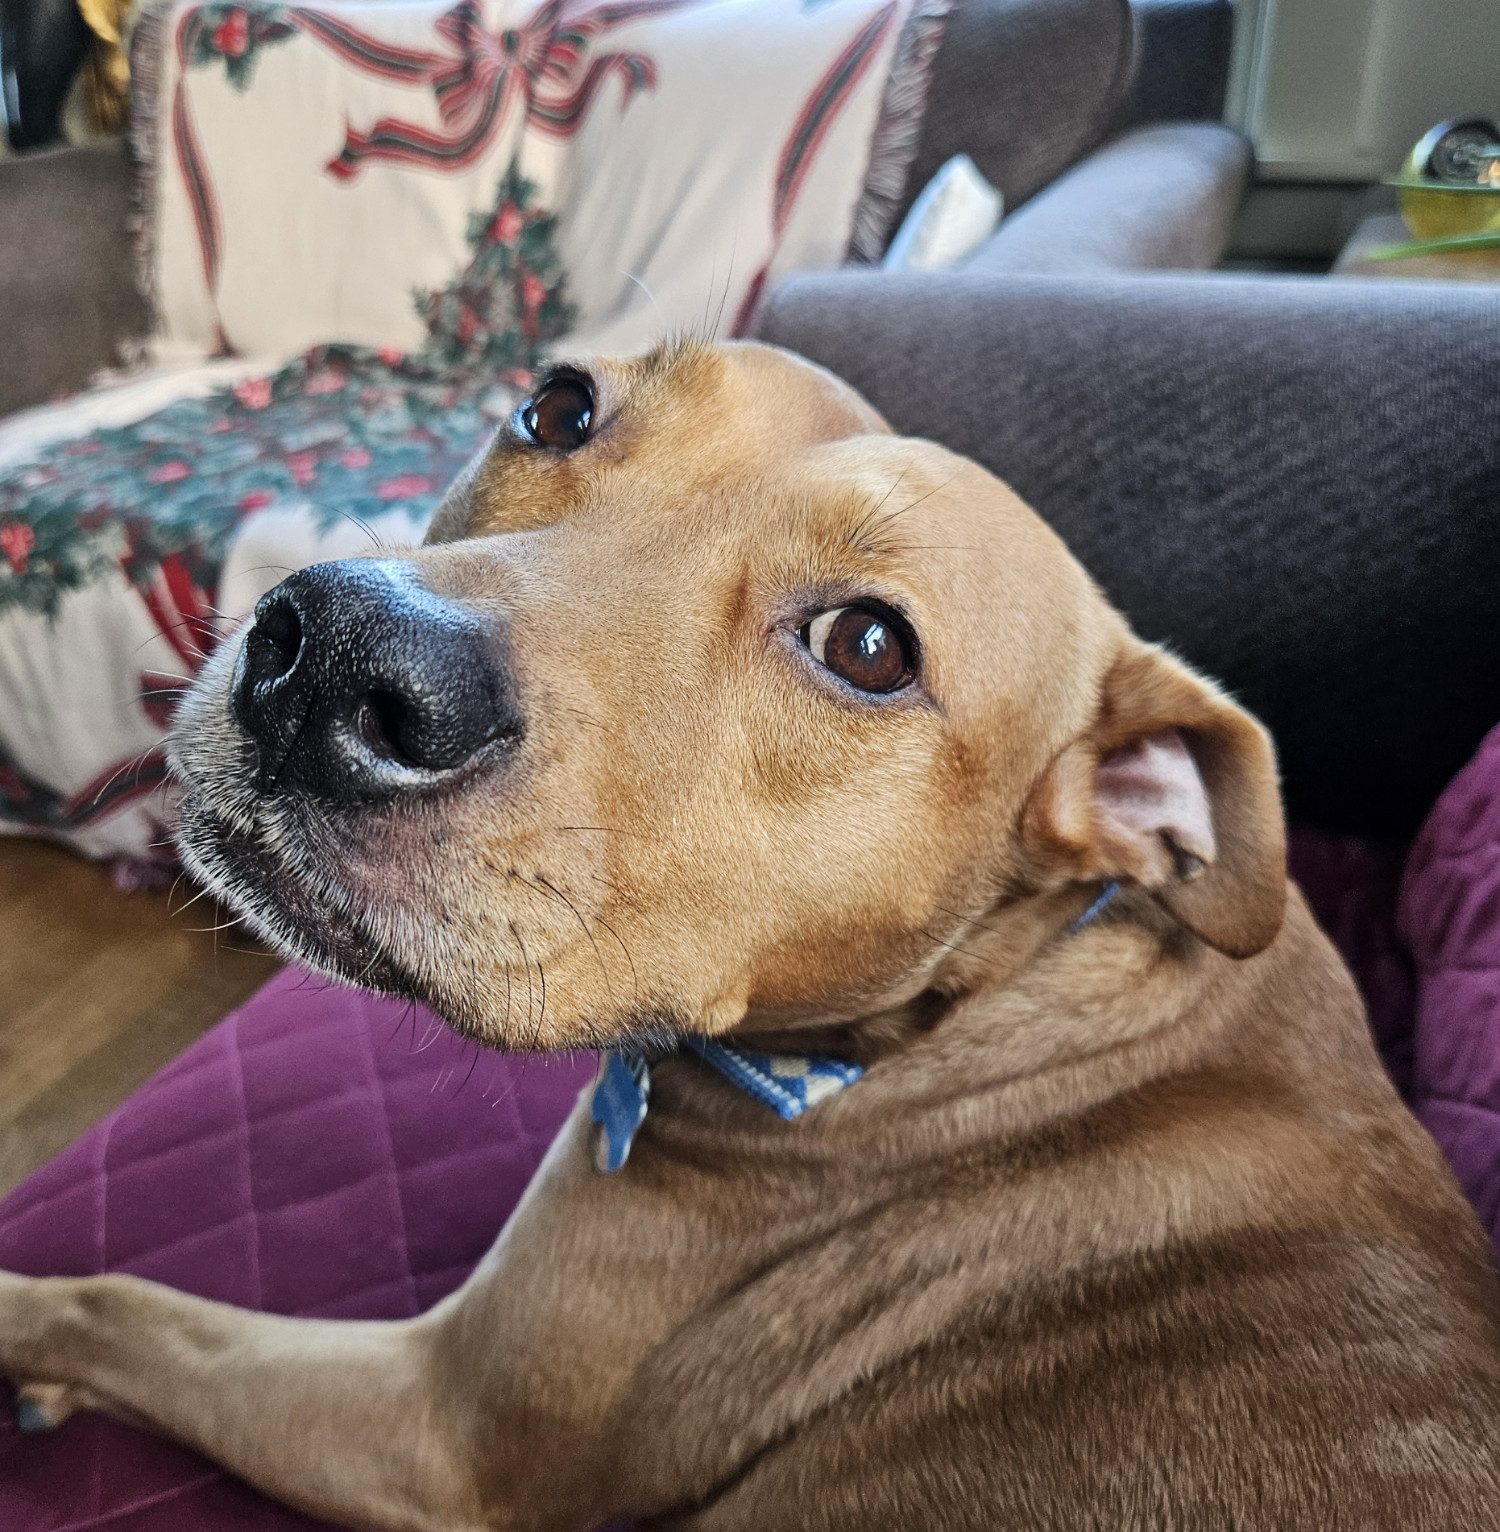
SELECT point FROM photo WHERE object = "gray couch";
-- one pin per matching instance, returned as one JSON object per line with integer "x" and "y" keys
{"x": 1028, "y": 88}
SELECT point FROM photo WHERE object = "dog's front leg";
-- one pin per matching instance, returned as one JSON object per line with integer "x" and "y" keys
{"x": 345, "y": 1420}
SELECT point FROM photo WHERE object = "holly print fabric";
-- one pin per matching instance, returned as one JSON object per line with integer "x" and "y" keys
{"x": 352, "y": 432}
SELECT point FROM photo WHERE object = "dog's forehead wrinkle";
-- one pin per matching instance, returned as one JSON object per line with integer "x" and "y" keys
{"x": 748, "y": 400}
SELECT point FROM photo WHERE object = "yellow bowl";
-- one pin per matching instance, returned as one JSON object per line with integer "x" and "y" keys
{"x": 1433, "y": 210}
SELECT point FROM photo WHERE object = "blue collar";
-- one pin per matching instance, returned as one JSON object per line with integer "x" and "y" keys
{"x": 789, "y": 1083}
{"x": 1096, "y": 909}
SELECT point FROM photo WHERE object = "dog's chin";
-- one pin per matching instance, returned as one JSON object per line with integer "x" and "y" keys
{"x": 281, "y": 906}
{"x": 264, "y": 878}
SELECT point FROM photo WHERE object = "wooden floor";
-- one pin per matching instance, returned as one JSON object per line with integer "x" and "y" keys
{"x": 98, "y": 989}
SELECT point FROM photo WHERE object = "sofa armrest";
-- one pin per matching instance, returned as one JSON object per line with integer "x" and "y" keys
{"x": 1161, "y": 197}
{"x": 1292, "y": 481}
{"x": 68, "y": 298}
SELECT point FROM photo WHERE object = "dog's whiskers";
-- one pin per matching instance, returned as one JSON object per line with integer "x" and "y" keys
{"x": 376, "y": 540}
{"x": 595, "y": 829}
{"x": 134, "y": 764}
{"x": 635, "y": 982}
{"x": 206, "y": 930}
{"x": 525, "y": 966}
{"x": 872, "y": 536}
{"x": 951, "y": 946}
{"x": 858, "y": 533}
{"x": 968, "y": 920}
{"x": 473, "y": 1065}
{"x": 201, "y": 894}
{"x": 540, "y": 882}
{"x": 541, "y": 1014}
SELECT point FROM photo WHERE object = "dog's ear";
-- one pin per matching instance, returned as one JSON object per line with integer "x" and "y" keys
{"x": 1173, "y": 788}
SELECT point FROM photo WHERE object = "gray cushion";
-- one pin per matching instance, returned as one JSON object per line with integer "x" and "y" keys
{"x": 67, "y": 280}
{"x": 1296, "y": 482}
{"x": 1024, "y": 88}
{"x": 1158, "y": 197}
{"x": 1182, "y": 60}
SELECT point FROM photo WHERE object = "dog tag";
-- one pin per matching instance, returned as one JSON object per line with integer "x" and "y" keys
{"x": 621, "y": 1094}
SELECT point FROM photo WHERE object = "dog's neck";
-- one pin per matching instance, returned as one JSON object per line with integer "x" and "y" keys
{"x": 776, "y": 1067}
{"x": 979, "y": 959}
{"x": 1036, "y": 1026}
{"x": 1043, "y": 1015}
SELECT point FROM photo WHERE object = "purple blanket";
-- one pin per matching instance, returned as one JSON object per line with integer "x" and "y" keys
{"x": 320, "y": 1152}
{"x": 1450, "y": 920}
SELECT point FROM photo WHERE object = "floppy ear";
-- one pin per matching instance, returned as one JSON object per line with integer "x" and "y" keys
{"x": 1173, "y": 788}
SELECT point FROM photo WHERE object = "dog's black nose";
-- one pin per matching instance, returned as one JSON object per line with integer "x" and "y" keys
{"x": 356, "y": 683}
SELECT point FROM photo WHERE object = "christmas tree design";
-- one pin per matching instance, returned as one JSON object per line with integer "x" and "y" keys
{"x": 509, "y": 300}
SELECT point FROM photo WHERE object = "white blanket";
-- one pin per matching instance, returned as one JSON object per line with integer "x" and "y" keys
{"x": 448, "y": 192}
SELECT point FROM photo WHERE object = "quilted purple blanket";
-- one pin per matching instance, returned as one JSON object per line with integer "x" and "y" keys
{"x": 320, "y": 1152}
{"x": 1449, "y": 918}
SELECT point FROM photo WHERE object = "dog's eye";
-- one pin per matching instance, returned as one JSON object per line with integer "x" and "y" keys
{"x": 559, "y": 414}
{"x": 864, "y": 646}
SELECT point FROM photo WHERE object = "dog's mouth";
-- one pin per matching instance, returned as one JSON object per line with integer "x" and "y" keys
{"x": 384, "y": 898}
{"x": 304, "y": 920}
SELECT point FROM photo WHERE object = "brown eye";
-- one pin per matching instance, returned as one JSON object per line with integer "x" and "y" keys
{"x": 863, "y": 646}
{"x": 559, "y": 414}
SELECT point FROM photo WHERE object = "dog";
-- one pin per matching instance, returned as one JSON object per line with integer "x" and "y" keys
{"x": 716, "y": 724}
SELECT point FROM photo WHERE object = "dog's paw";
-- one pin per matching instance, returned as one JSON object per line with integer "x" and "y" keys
{"x": 42, "y": 1407}
{"x": 32, "y": 1353}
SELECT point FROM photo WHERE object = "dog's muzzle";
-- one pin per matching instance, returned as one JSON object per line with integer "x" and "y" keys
{"x": 355, "y": 683}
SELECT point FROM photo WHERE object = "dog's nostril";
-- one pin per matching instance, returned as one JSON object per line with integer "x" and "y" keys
{"x": 382, "y": 720}
{"x": 352, "y": 676}
{"x": 417, "y": 729}
{"x": 276, "y": 640}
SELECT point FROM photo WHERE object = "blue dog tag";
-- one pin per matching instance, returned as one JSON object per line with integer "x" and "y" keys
{"x": 789, "y": 1083}
{"x": 619, "y": 1106}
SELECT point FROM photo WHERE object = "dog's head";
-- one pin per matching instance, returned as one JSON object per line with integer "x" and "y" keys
{"x": 707, "y": 698}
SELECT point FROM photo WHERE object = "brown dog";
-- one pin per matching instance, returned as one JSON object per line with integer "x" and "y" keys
{"x": 714, "y": 707}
